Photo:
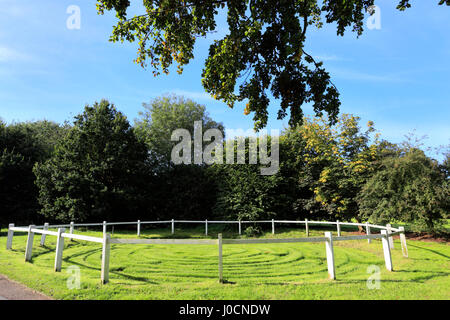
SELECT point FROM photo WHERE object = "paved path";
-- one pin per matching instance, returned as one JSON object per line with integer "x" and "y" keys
{"x": 11, "y": 290}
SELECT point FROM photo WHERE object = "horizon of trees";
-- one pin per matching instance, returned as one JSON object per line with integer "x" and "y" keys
{"x": 101, "y": 167}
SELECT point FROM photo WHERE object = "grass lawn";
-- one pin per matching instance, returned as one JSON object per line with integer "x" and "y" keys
{"x": 256, "y": 271}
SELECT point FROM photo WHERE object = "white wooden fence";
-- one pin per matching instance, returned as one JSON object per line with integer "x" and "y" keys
{"x": 387, "y": 232}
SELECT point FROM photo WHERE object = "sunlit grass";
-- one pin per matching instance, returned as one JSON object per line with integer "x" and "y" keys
{"x": 256, "y": 271}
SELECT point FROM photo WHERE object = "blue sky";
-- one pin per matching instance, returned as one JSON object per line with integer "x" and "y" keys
{"x": 397, "y": 76}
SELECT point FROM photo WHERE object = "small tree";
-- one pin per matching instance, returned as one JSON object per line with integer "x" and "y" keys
{"x": 97, "y": 172}
{"x": 244, "y": 193}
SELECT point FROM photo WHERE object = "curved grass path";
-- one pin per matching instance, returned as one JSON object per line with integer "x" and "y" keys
{"x": 256, "y": 271}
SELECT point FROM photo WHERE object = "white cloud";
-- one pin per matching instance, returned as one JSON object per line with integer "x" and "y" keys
{"x": 9, "y": 54}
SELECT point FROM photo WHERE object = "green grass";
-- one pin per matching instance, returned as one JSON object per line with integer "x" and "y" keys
{"x": 257, "y": 271}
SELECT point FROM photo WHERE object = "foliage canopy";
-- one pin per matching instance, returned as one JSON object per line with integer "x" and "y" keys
{"x": 263, "y": 51}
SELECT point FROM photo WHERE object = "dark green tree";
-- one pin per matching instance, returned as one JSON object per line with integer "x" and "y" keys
{"x": 410, "y": 188}
{"x": 21, "y": 146}
{"x": 246, "y": 194}
{"x": 263, "y": 51}
{"x": 98, "y": 171}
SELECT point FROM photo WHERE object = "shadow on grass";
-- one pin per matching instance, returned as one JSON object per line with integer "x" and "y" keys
{"x": 432, "y": 251}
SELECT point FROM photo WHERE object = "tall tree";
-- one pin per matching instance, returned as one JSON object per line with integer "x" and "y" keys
{"x": 263, "y": 50}
{"x": 164, "y": 115}
{"x": 338, "y": 161}
{"x": 98, "y": 170}
{"x": 185, "y": 190}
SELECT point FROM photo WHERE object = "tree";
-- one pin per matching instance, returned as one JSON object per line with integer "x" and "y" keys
{"x": 98, "y": 170}
{"x": 410, "y": 188}
{"x": 245, "y": 194}
{"x": 187, "y": 191}
{"x": 338, "y": 161}
{"x": 162, "y": 116}
{"x": 264, "y": 48}
{"x": 21, "y": 146}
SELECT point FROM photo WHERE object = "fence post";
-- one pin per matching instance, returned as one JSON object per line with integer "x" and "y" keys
{"x": 71, "y": 229}
{"x": 307, "y": 227}
{"x": 173, "y": 226}
{"x": 338, "y": 228}
{"x": 240, "y": 230}
{"x": 389, "y": 231}
{"x": 273, "y": 226}
{"x": 43, "y": 236}
{"x": 330, "y": 255}
{"x": 105, "y": 258}
{"x": 220, "y": 259}
{"x": 10, "y": 237}
{"x": 403, "y": 242}
{"x": 386, "y": 250}
{"x": 206, "y": 227}
{"x": 59, "y": 249}
{"x": 368, "y": 232}
{"x": 29, "y": 248}
{"x": 139, "y": 228}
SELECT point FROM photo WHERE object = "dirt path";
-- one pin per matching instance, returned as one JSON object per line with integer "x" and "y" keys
{"x": 11, "y": 290}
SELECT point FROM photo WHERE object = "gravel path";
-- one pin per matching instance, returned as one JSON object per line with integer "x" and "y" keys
{"x": 11, "y": 290}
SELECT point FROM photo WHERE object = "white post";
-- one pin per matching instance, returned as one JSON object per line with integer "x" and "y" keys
{"x": 59, "y": 250}
{"x": 240, "y": 230}
{"x": 338, "y": 228}
{"x": 330, "y": 255}
{"x": 173, "y": 226}
{"x": 220, "y": 259}
{"x": 273, "y": 227}
{"x": 29, "y": 248}
{"x": 206, "y": 227}
{"x": 105, "y": 258}
{"x": 104, "y": 227}
{"x": 71, "y": 229}
{"x": 139, "y": 228}
{"x": 386, "y": 250}
{"x": 391, "y": 240}
{"x": 403, "y": 242}
{"x": 307, "y": 227}
{"x": 368, "y": 232}
{"x": 44, "y": 235}
{"x": 10, "y": 237}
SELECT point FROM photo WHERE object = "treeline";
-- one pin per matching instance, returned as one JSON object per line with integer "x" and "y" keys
{"x": 101, "y": 167}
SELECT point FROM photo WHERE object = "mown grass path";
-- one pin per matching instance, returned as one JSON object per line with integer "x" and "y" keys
{"x": 256, "y": 271}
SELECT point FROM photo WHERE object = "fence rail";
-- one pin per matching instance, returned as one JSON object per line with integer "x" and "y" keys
{"x": 173, "y": 221}
{"x": 387, "y": 232}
